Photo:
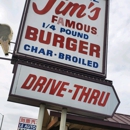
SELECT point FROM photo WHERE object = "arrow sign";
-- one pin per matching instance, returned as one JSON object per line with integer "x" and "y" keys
{"x": 79, "y": 96}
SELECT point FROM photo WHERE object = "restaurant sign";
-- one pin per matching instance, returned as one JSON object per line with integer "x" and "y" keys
{"x": 67, "y": 33}
{"x": 33, "y": 86}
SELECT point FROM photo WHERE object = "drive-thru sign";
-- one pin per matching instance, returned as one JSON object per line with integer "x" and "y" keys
{"x": 56, "y": 90}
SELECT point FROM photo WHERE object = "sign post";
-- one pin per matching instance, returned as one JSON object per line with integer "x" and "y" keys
{"x": 63, "y": 119}
{"x": 40, "y": 117}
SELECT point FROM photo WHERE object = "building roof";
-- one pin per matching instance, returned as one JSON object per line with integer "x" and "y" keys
{"x": 117, "y": 122}
{"x": 119, "y": 118}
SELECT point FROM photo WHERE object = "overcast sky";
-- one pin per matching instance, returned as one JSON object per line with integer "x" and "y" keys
{"x": 118, "y": 67}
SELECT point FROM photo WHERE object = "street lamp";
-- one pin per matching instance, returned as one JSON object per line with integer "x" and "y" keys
{"x": 1, "y": 121}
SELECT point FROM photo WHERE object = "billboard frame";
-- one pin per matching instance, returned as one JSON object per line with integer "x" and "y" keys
{"x": 54, "y": 106}
{"x": 18, "y": 55}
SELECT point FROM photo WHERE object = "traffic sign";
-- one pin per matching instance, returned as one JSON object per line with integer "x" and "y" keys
{"x": 33, "y": 86}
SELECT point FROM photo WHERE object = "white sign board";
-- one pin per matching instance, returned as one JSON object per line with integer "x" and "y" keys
{"x": 72, "y": 33}
{"x": 61, "y": 90}
{"x": 27, "y": 123}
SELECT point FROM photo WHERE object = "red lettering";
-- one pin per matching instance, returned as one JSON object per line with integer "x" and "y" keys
{"x": 31, "y": 33}
{"x": 79, "y": 26}
{"x": 71, "y": 44}
{"x": 58, "y": 39}
{"x": 28, "y": 121}
{"x": 78, "y": 87}
{"x": 29, "y": 81}
{"x": 41, "y": 37}
{"x": 40, "y": 83}
{"x": 70, "y": 24}
{"x": 94, "y": 96}
{"x": 62, "y": 88}
{"x": 71, "y": 8}
{"x": 88, "y": 95}
{"x": 33, "y": 121}
{"x": 94, "y": 49}
{"x": 74, "y": 25}
{"x": 94, "y": 11}
{"x": 61, "y": 21}
{"x": 100, "y": 103}
{"x": 83, "y": 46}
{"x": 54, "y": 18}
{"x": 85, "y": 94}
{"x": 22, "y": 120}
{"x": 55, "y": 87}
{"x": 94, "y": 30}
{"x": 47, "y": 85}
{"x": 62, "y": 42}
{"x": 86, "y": 28}
{"x": 45, "y": 9}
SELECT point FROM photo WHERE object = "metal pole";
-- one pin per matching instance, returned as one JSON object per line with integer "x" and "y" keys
{"x": 1, "y": 121}
{"x": 63, "y": 119}
{"x": 66, "y": 127}
{"x": 2, "y": 58}
{"x": 12, "y": 42}
{"x": 40, "y": 117}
